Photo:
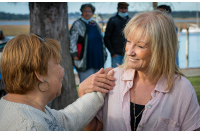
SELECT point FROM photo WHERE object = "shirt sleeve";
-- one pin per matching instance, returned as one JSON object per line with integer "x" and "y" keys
{"x": 73, "y": 36}
{"x": 78, "y": 114}
{"x": 108, "y": 36}
{"x": 192, "y": 118}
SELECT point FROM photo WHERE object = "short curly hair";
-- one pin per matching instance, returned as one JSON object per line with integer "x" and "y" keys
{"x": 23, "y": 56}
{"x": 88, "y": 5}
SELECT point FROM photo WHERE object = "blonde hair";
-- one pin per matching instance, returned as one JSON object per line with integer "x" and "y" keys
{"x": 23, "y": 56}
{"x": 158, "y": 29}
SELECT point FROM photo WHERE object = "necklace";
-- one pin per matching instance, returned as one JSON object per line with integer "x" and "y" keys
{"x": 135, "y": 117}
{"x": 34, "y": 102}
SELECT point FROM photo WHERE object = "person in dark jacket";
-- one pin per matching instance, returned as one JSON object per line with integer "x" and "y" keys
{"x": 114, "y": 38}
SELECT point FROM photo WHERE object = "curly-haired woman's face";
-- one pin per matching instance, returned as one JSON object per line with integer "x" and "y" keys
{"x": 87, "y": 13}
{"x": 55, "y": 77}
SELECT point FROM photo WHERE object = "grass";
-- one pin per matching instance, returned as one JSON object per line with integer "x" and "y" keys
{"x": 195, "y": 81}
{"x": 14, "y": 30}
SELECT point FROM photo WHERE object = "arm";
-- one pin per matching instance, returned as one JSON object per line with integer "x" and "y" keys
{"x": 78, "y": 114}
{"x": 108, "y": 36}
{"x": 192, "y": 116}
{"x": 73, "y": 35}
{"x": 95, "y": 124}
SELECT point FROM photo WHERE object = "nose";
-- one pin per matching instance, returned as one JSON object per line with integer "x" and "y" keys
{"x": 124, "y": 10}
{"x": 131, "y": 50}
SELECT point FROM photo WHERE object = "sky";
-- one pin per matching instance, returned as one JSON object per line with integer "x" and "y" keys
{"x": 17, "y": 7}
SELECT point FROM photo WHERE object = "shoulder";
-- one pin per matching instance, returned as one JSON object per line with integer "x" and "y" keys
{"x": 112, "y": 19}
{"x": 182, "y": 88}
{"x": 77, "y": 23}
{"x": 183, "y": 83}
{"x": 118, "y": 72}
{"x": 19, "y": 116}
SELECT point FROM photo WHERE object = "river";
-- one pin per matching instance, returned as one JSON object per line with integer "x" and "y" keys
{"x": 194, "y": 46}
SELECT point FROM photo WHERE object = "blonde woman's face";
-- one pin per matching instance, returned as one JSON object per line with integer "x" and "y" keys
{"x": 139, "y": 54}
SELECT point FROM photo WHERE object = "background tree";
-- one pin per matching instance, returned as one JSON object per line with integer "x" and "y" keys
{"x": 50, "y": 19}
{"x": 155, "y": 4}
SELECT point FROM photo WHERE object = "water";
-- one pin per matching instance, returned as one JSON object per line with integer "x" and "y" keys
{"x": 23, "y": 22}
{"x": 194, "y": 47}
{"x": 194, "y": 50}
{"x": 14, "y": 23}
{"x": 69, "y": 22}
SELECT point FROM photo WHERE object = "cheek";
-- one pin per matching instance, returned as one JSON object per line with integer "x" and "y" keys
{"x": 126, "y": 48}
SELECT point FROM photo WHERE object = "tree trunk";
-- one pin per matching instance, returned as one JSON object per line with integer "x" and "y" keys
{"x": 50, "y": 20}
{"x": 155, "y": 4}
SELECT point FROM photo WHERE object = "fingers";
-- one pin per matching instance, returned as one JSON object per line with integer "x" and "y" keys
{"x": 105, "y": 81}
{"x": 107, "y": 86}
{"x": 101, "y": 71}
{"x": 108, "y": 77}
{"x": 111, "y": 73}
{"x": 107, "y": 70}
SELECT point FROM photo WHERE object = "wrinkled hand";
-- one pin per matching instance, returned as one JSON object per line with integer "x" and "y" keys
{"x": 99, "y": 81}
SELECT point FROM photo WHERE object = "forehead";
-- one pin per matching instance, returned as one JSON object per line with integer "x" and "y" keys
{"x": 138, "y": 35}
{"x": 87, "y": 8}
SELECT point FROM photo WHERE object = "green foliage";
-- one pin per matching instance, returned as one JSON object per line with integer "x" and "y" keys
{"x": 8, "y": 16}
{"x": 195, "y": 81}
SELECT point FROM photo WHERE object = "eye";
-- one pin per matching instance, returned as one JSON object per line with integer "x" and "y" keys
{"x": 139, "y": 46}
{"x": 127, "y": 41}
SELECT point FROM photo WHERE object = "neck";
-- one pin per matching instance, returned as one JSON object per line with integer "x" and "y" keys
{"x": 143, "y": 77}
{"x": 36, "y": 101}
{"x": 28, "y": 99}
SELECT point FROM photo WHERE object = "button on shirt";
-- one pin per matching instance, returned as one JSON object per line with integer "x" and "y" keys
{"x": 166, "y": 111}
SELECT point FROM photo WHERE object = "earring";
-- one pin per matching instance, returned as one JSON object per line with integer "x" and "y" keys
{"x": 41, "y": 89}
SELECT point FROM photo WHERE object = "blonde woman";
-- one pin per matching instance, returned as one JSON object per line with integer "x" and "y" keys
{"x": 150, "y": 92}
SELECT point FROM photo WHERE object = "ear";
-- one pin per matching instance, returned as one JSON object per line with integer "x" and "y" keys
{"x": 39, "y": 77}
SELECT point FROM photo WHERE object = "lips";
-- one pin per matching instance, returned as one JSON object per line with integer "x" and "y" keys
{"x": 131, "y": 59}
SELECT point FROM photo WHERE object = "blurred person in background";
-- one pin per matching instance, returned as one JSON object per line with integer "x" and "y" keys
{"x": 114, "y": 38}
{"x": 86, "y": 31}
{"x": 3, "y": 41}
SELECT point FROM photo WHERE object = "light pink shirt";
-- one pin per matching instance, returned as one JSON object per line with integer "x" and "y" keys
{"x": 176, "y": 110}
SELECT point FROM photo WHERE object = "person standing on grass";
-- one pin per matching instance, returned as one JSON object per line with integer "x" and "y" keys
{"x": 114, "y": 38}
{"x": 94, "y": 55}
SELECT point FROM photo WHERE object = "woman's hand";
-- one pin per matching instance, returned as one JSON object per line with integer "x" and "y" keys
{"x": 99, "y": 81}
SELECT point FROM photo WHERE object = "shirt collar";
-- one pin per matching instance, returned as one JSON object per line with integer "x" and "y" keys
{"x": 128, "y": 75}
{"x": 161, "y": 85}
